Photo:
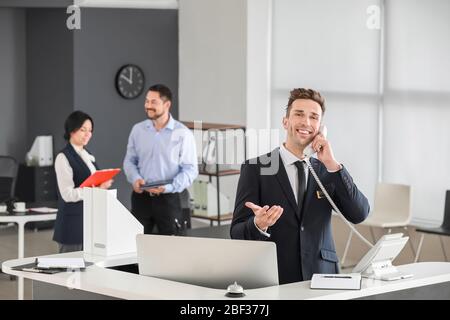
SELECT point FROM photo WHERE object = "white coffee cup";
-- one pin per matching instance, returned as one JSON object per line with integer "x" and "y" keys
{"x": 3, "y": 207}
{"x": 19, "y": 206}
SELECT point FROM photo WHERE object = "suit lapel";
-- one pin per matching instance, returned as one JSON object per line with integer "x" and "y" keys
{"x": 283, "y": 180}
{"x": 311, "y": 188}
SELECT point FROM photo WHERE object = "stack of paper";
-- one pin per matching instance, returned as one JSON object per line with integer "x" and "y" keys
{"x": 60, "y": 263}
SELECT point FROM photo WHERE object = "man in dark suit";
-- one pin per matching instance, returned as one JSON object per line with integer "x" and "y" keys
{"x": 278, "y": 199}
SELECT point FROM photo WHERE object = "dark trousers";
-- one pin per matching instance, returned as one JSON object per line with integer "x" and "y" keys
{"x": 159, "y": 210}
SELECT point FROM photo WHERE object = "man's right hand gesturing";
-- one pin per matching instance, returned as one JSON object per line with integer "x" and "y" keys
{"x": 264, "y": 216}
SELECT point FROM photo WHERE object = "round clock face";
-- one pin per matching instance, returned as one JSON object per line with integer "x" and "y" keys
{"x": 130, "y": 81}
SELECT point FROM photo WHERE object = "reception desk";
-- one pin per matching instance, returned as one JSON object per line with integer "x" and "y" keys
{"x": 431, "y": 280}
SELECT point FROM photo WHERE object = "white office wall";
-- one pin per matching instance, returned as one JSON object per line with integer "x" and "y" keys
{"x": 259, "y": 49}
{"x": 418, "y": 45}
{"x": 326, "y": 45}
{"x": 212, "y": 66}
{"x": 212, "y": 53}
{"x": 417, "y": 102}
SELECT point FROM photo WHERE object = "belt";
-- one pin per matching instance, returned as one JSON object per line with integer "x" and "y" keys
{"x": 159, "y": 194}
{"x": 152, "y": 195}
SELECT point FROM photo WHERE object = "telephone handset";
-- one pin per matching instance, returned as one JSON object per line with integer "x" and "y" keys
{"x": 309, "y": 151}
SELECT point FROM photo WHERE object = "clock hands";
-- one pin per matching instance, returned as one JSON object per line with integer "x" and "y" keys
{"x": 131, "y": 75}
{"x": 135, "y": 81}
{"x": 126, "y": 79}
{"x": 130, "y": 79}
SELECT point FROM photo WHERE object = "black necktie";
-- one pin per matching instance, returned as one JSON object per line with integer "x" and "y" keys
{"x": 301, "y": 185}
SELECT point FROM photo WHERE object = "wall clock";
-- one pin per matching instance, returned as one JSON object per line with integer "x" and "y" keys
{"x": 130, "y": 81}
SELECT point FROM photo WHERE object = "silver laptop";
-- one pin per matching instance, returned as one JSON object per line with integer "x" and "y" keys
{"x": 213, "y": 263}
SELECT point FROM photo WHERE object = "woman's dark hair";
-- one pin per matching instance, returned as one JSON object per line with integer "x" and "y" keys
{"x": 74, "y": 122}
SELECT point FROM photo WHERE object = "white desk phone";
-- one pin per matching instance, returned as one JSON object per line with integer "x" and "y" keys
{"x": 377, "y": 263}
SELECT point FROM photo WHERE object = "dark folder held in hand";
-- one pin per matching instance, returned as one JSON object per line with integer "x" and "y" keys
{"x": 155, "y": 184}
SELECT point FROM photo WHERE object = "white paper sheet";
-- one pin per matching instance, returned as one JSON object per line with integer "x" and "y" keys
{"x": 61, "y": 263}
{"x": 43, "y": 210}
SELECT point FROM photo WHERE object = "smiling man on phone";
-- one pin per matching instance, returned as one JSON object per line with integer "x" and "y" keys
{"x": 278, "y": 200}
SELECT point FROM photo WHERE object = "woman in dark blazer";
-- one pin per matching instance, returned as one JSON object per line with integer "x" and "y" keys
{"x": 73, "y": 165}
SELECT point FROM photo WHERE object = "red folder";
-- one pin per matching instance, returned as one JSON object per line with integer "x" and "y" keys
{"x": 99, "y": 176}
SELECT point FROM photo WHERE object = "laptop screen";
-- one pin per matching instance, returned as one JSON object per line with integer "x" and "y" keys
{"x": 213, "y": 263}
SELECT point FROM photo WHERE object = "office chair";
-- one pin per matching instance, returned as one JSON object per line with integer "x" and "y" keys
{"x": 8, "y": 175}
{"x": 443, "y": 230}
{"x": 392, "y": 209}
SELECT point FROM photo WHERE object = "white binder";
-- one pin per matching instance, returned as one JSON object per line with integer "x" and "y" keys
{"x": 108, "y": 227}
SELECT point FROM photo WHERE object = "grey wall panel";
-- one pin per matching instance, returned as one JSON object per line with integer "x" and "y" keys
{"x": 12, "y": 83}
{"x": 108, "y": 39}
{"x": 49, "y": 74}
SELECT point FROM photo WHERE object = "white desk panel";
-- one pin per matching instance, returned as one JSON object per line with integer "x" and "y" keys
{"x": 118, "y": 284}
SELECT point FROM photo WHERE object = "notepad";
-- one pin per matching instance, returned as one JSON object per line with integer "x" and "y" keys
{"x": 60, "y": 263}
{"x": 347, "y": 281}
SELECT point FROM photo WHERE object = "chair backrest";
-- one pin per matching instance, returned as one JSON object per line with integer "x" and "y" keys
{"x": 446, "y": 221}
{"x": 8, "y": 175}
{"x": 393, "y": 201}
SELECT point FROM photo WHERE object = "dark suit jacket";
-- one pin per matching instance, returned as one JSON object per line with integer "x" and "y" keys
{"x": 304, "y": 242}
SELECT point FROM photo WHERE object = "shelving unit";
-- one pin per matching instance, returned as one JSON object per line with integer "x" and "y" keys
{"x": 215, "y": 128}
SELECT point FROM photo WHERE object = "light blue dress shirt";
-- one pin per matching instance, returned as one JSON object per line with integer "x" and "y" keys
{"x": 161, "y": 155}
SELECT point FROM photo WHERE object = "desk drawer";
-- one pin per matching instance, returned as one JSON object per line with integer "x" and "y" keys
{"x": 46, "y": 173}
{"x": 47, "y": 183}
{"x": 45, "y": 194}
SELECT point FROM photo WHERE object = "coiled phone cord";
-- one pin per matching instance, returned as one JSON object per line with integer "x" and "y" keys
{"x": 335, "y": 208}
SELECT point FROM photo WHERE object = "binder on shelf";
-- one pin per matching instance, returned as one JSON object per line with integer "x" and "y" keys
{"x": 99, "y": 176}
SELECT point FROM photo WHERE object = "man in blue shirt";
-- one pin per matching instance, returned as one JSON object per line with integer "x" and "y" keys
{"x": 159, "y": 149}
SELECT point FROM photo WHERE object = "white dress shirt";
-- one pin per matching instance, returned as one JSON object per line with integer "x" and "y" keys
{"x": 288, "y": 159}
{"x": 64, "y": 174}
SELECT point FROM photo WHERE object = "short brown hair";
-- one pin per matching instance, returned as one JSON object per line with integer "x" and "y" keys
{"x": 302, "y": 93}
{"x": 164, "y": 92}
